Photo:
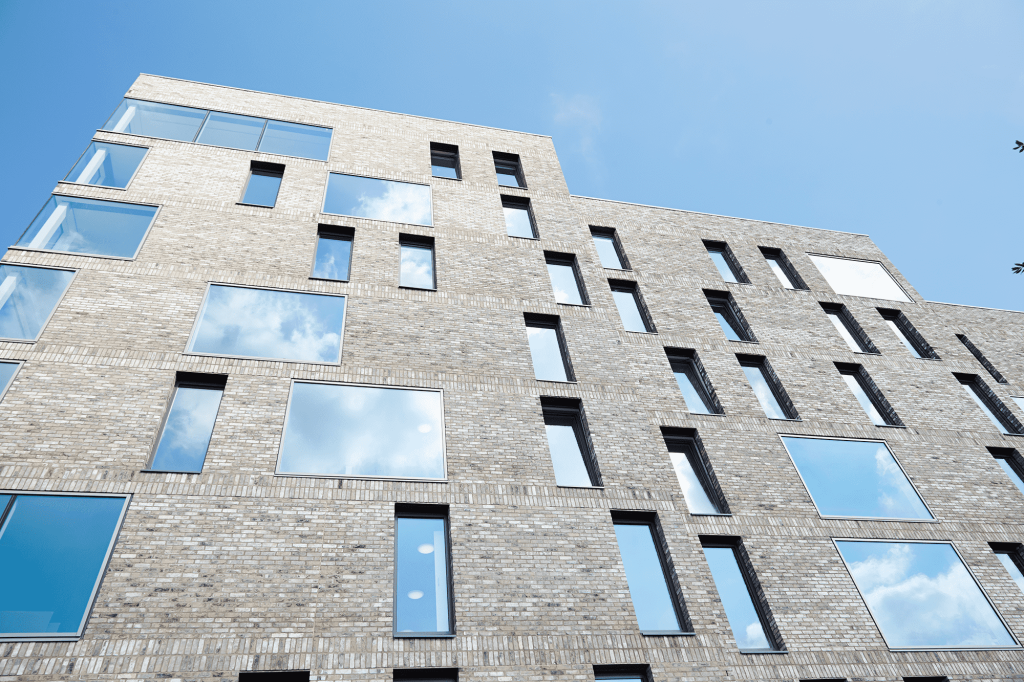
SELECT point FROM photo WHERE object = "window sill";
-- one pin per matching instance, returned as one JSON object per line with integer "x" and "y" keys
{"x": 581, "y": 487}
{"x": 783, "y": 419}
{"x": 166, "y": 471}
{"x": 866, "y": 352}
{"x": 557, "y": 381}
{"x": 923, "y": 358}
{"x": 890, "y": 426}
{"x": 416, "y": 288}
{"x": 328, "y": 279}
{"x": 239, "y": 203}
{"x": 707, "y": 514}
{"x": 423, "y": 635}
{"x": 634, "y": 331}
{"x": 516, "y": 236}
{"x": 877, "y": 518}
{"x": 666, "y": 633}
{"x": 82, "y": 184}
{"x": 707, "y": 414}
{"x": 575, "y": 305}
{"x": 441, "y": 177}
{"x": 512, "y": 186}
{"x": 254, "y": 357}
{"x": 15, "y": 247}
{"x": 762, "y": 651}
{"x": 289, "y": 474}
{"x": 618, "y": 269}
{"x": 740, "y": 341}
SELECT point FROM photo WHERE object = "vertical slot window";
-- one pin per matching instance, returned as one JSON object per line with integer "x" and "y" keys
{"x": 851, "y": 332}
{"x": 1011, "y": 556}
{"x": 729, "y": 317}
{"x": 700, "y": 488}
{"x": 106, "y": 164}
{"x": 1011, "y": 462}
{"x": 7, "y": 372}
{"x": 877, "y": 408}
{"x": 782, "y": 268}
{"x": 444, "y": 161}
{"x": 694, "y": 383}
{"x": 572, "y": 454}
{"x": 726, "y": 263}
{"x": 980, "y": 357}
{"x": 566, "y": 281}
{"x": 509, "y": 170}
{"x": 548, "y": 349}
{"x": 907, "y": 334}
{"x": 333, "y": 258}
{"x": 634, "y": 314}
{"x": 741, "y": 596}
{"x": 423, "y": 594}
{"x": 990, "y": 404}
{"x": 188, "y": 426}
{"x": 417, "y": 262}
{"x": 263, "y": 184}
{"x": 518, "y": 217}
{"x": 609, "y": 249}
{"x": 767, "y": 388}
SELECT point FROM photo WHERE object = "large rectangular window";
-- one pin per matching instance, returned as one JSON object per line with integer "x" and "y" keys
{"x": 990, "y": 404}
{"x": 566, "y": 280}
{"x": 343, "y": 430}
{"x": 783, "y": 269}
{"x": 263, "y": 184}
{"x": 28, "y": 297}
{"x": 90, "y": 227}
{"x": 231, "y": 130}
{"x": 1011, "y": 556}
{"x": 634, "y": 314}
{"x": 518, "y": 217}
{"x": 423, "y": 587}
{"x": 729, "y": 316}
{"x": 738, "y": 588}
{"x": 701, "y": 490}
{"x": 333, "y": 258}
{"x": 871, "y": 400}
{"x": 851, "y": 332}
{"x": 653, "y": 587}
{"x": 1011, "y": 462}
{"x": 609, "y": 248}
{"x": 151, "y": 119}
{"x": 548, "y": 349}
{"x": 980, "y": 357}
{"x": 922, "y": 596}
{"x": 851, "y": 277}
{"x": 767, "y": 387}
{"x": 417, "y": 266}
{"x": 572, "y": 454}
{"x": 188, "y": 426}
{"x": 269, "y": 323}
{"x": 907, "y": 334}
{"x": 725, "y": 261}
{"x": 855, "y": 479}
{"x": 55, "y": 550}
{"x": 694, "y": 383}
{"x": 444, "y": 161}
{"x": 106, "y": 164}
{"x": 509, "y": 170}
{"x": 376, "y": 199}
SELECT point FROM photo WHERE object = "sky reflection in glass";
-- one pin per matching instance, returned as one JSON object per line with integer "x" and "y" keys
{"x": 1012, "y": 569}
{"x": 336, "y": 430}
{"x": 546, "y": 353}
{"x": 231, "y": 130}
{"x": 518, "y": 223}
{"x": 862, "y": 398}
{"x": 783, "y": 278}
{"x": 726, "y": 325}
{"x": 837, "y": 322}
{"x": 188, "y": 429}
{"x": 417, "y": 269}
{"x": 295, "y": 139}
{"x": 107, "y": 165}
{"x": 764, "y": 394}
{"x": 859, "y": 278}
{"x": 27, "y": 297}
{"x": 397, "y": 202}
{"x": 567, "y": 457}
{"x": 921, "y": 595}
{"x": 694, "y": 402}
{"x": 629, "y": 311}
{"x": 697, "y": 500}
{"x": 264, "y": 323}
{"x": 718, "y": 258}
{"x": 973, "y": 392}
{"x": 262, "y": 188}
{"x": 150, "y": 119}
{"x": 89, "y": 226}
{"x": 648, "y": 587}
{"x": 563, "y": 281}
{"x": 1019, "y": 401}
{"x": 903, "y": 338}
{"x": 1014, "y": 476}
{"x": 7, "y": 372}
{"x": 333, "y": 257}
{"x": 607, "y": 251}
{"x": 736, "y": 600}
{"x": 422, "y": 592}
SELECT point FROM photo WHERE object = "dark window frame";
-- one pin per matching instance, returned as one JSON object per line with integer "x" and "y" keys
{"x": 687, "y": 441}
{"x": 902, "y": 322}
{"x": 1013, "y": 458}
{"x": 1014, "y": 550}
{"x": 426, "y": 674}
{"x": 559, "y": 411}
{"x": 686, "y": 361}
{"x": 732, "y": 313}
{"x": 778, "y": 255}
{"x": 570, "y": 260}
{"x": 995, "y": 405}
{"x": 543, "y": 321}
{"x": 409, "y": 510}
{"x": 512, "y": 161}
{"x": 612, "y": 672}
{"x": 885, "y": 410}
{"x": 449, "y": 152}
{"x": 925, "y": 678}
{"x": 774, "y": 383}
{"x": 418, "y": 241}
{"x": 620, "y": 251}
{"x": 522, "y": 203}
{"x": 338, "y": 233}
{"x": 632, "y": 287}
{"x": 980, "y": 357}
{"x": 266, "y": 169}
{"x": 852, "y": 326}
{"x": 203, "y": 380}
{"x": 295, "y": 675}
{"x": 730, "y": 258}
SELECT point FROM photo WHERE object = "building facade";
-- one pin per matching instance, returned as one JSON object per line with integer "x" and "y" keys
{"x": 297, "y": 386}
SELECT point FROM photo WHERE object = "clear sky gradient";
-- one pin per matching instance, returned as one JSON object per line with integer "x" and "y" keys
{"x": 895, "y": 119}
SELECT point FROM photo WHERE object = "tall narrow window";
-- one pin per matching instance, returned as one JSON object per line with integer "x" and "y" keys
{"x": 572, "y": 454}
{"x": 7, "y": 372}
{"x": 729, "y": 317}
{"x": 694, "y": 383}
{"x": 981, "y": 358}
{"x": 28, "y": 296}
{"x": 333, "y": 252}
{"x": 1011, "y": 555}
{"x": 188, "y": 425}
{"x": 423, "y": 594}
{"x": 875, "y": 405}
{"x": 509, "y": 170}
{"x": 851, "y": 332}
{"x": 723, "y": 258}
{"x": 634, "y": 314}
{"x": 907, "y": 334}
{"x": 263, "y": 185}
{"x": 653, "y": 587}
{"x": 547, "y": 348}
{"x": 107, "y": 165}
{"x": 783, "y": 268}
{"x": 609, "y": 249}
{"x": 90, "y": 227}
{"x": 518, "y": 217}
{"x": 417, "y": 268}
{"x": 566, "y": 280}
{"x": 767, "y": 388}
{"x": 700, "y": 488}
{"x": 1012, "y": 463}
{"x": 989, "y": 403}
{"x": 444, "y": 161}
{"x": 740, "y": 592}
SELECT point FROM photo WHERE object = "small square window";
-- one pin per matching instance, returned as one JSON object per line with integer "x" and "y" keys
{"x": 1011, "y": 462}
{"x": 990, "y": 404}
{"x": 444, "y": 161}
{"x": 851, "y": 332}
{"x": 724, "y": 259}
{"x": 980, "y": 357}
{"x": 878, "y": 409}
{"x": 700, "y": 487}
{"x": 188, "y": 425}
{"x": 548, "y": 349}
{"x": 907, "y": 334}
{"x": 263, "y": 184}
{"x": 423, "y": 584}
{"x": 417, "y": 267}
{"x": 783, "y": 268}
{"x": 518, "y": 217}
{"x": 632, "y": 310}
{"x": 509, "y": 170}
{"x": 566, "y": 280}
{"x": 1011, "y": 555}
{"x": 333, "y": 258}
{"x": 694, "y": 383}
{"x": 572, "y": 453}
{"x": 767, "y": 387}
{"x": 729, "y": 316}
{"x": 609, "y": 248}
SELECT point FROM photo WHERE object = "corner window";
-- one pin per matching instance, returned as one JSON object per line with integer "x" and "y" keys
{"x": 7, "y": 372}
{"x": 269, "y": 323}
{"x": 922, "y": 596}
{"x": 566, "y": 280}
{"x": 1011, "y": 556}
{"x": 28, "y": 297}
{"x": 782, "y": 268}
{"x": 572, "y": 455}
{"x": 343, "y": 430}
{"x": 417, "y": 267}
{"x": 694, "y": 383}
{"x": 106, "y": 164}
{"x": 375, "y": 199}
{"x": 729, "y": 317}
{"x": 851, "y": 332}
{"x": 509, "y": 170}
{"x": 980, "y": 357}
{"x": 55, "y": 549}
{"x": 634, "y": 314}
{"x": 990, "y": 404}
{"x": 548, "y": 349}
{"x": 333, "y": 258}
{"x": 263, "y": 185}
{"x": 724, "y": 259}
{"x": 151, "y": 119}
{"x": 90, "y": 227}
{"x": 700, "y": 488}
{"x": 188, "y": 426}
{"x": 767, "y": 388}
{"x": 871, "y": 400}
{"x": 741, "y": 595}
{"x": 907, "y": 334}
{"x": 423, "y": 587}
{"x": 851, "y": 277}
{"x": 1011, "y": 462}
{"x": 518, "y": 217}
{"x": 231, "y": 130}
{"x": 609, "y": 249}
{"x": 444, "y": 161}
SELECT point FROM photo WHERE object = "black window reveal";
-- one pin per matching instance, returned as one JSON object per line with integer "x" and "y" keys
{"x": 566, "y": 278}
{"x": 519, "y": 220}
{"x": 729, "y": 316}
{"x": 851, "y": 332}
{"x": 726, "y": 263}
{"x": 572, "y": 452}
{"x": 989, "y": 403}
{"x": 609, "y": 248}
{"x": 623, "y": 673}
{"x": 784, "y": 270}
{"x": 273, "y": 676}
{"x": 767, "y": 387}
{"x": 632, "y": 309}
{"x": 426, "y": 675}
{"x": 263, "y": 184}
{"x": 694, "y": 383}
{"x": 870, "y": 398}
{"x": 509, "y": 170}
{"x": 444, "y": 161}
{"x": 1011, "y": 462}
{"x": 424, "y": 606}
{"x": 981, "y": 358}
{"x": 900, "y": 325}
{"x": 700, "y": 486}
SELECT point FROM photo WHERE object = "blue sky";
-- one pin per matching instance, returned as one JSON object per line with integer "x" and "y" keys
{"x": 892, "y": 119}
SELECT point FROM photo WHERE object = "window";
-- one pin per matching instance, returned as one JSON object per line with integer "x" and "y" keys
{"x": 273, "y": 676}
{"x": 263, "y": 185}
{"x": 566, "y": 280}
{"x": 729, "y": 317}
{"x": 7, "y": 372}
{"x": 623, "y": 673}
{"x": 231, "y": 130}
{"x": 28, "y": 297}
{"x": 346, "y": 431}
{"x": 851, "y": 277}
{"x": 907, "y": 334}
{"x": 851, "y": 332}
{"x": 1019, "y": 400}
{"x": 417, "y": 269}
{"x": 1012, "y": 463}
{"x": 188, "y": 425}
{"x": 741, "y": 595}
{"x": 269, "y": 323}
{"x": 426, "y": 674}
{"x": 990, "y": 404}
{"x": 107, "y": 165}
{"x": 609, "y": 249}
{"x": 90, "y": 227}
{"x": 783, "y": 268}
{"x": 653, "y": 586}
{"x": 634, "y": 314}
{"x": 55, "y": 549}
{"x": 151, "y": 119}
{"x": 572, "y": 454}
{"x": 423, "y": 588}
{"x": 374, "y": 199}
{"x": 921, "y": 595}
{"x": 855, "y": 479}
{"x": 875, "y": 405}
{"x": 509, "y": 170}
{"x": 694, "y": 383}
{"x": 700, "y": 488}
{"x": 444, "y": 161}
{"x": 981, "y": 358}
{"x": 518, "y": 217}
{"x": 934, "y": 678}
{"x": 333, "y": 252}
{"x": 724, "y": 259}
{"x": 767, "y": 387}
{"x": 296, "y": 139}
{"x": 1011, "y": 555}
{"x": 547, "y": 348}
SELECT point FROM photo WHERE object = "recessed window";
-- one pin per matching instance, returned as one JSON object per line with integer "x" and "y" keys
{"x": 700, "y": 488}
{"x": 273, "y": 676}
{"x": 1012, "y": 463}
{"x": 623, "y": 673}
{"x": 724, "y": 259}
{"x": 855, "y": 479}
{"x": 263, "y": 184}
{"x": 28, "y": 297}
{"x": 333, "y": 258}
{"x": 851, "y": 332}
{"x": 572, "y": 454}
{"x": 932, "y": 678}
{"x": 1011, "y": 556}
{"x": 417, "y": 268}
{"x": 850, "y": 277}
{"x": 90, "y": 227}
{"x": 653, "y": 587}
{"x": 980, "y": 357}
{"x": 509, "y": 170}
{"x": 922, "y": 596}
{"x": 426, "y": 674}
{"x": 566, "y": 280}
{"x": 632, "y": 311}
{"x": 782, "y": 268}
{"x": 269, "y": 323}
{"x": 900, "y": 325}
{"x": 444, "y": 161}
{"x": 55, "y": 550}
{"x": 694, "y": 383}
{"x": 518, "y": 217}
{"x": 423, "y": 587}
{"x": 548, "y": 348}
{"x": 990, "y": 404}
{"x": 188, "y": 426}
{"x": 376, "y": 199}
{"x": 767, "y": 388}
{"x": 106, "y": 164}
{"x": 7, "y": 372}
{"x": 609, "y": 249}
{"x": 877, "y": 408}
{"x": 729, "y": 316}
{"x": 740, "y": 592}
{"x": 1019, "y": 400}
{"x": 341, "y": 430}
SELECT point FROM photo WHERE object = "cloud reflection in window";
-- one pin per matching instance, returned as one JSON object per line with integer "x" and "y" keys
{"x": 397, "y": 202}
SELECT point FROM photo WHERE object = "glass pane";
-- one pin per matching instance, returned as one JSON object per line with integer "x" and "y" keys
{"x": 363, "y": 431}
{"x": 517, "y": 223}
{"x": 89, "y": 226}
{"x": 443, "y": 166}
{"x": 563, "y": 281}
{"x": 507, "y": 175}
{"x": 697, "y": 500}
{"x": 27, "y": 297}
{"x": 546, "y": 354}
{"x": 397, "y": 202}
{"x": 629, "y": 311}
{"x": 262, "y": 323}
{"x": 776, "y": 267}
{"x": 902, "y": 337}
{"x": 422, "y": 591}
{"x": 1019, "y": 401}
{"x": 725, "y": 323}
{"x": 1012, "y": 569}
{"x": 973, "y": 392}
{"x": 837, "y": 322}
{"x": 333, "y": 257}
{"x": 718, "y": 258}
{"x": 859, "y": 278}
{"x": 607, "y": 252}
{"x": 7, "y": 372}
{"x": 855, "y": 478}
{"x": 865, "y": 402}
{"x": 1012, "y": 473}
{"x": 156, "y": 120}
{"x": 736, "y": 600}
{"x": 231, "y": 130}
{"x": 648, "y": 587}
{"x": 921, "y": 595}
{"x": 295, "y": 139}
{"x": 694, "y": 402}
{"x": 566, "y": 456}
{"x": 417, "y": 267}
{"x": 262, "y": 189}
{"x": 764, "y": 394}
{"x": 54, "y": 549}
{"x": 187, "y": 431}
{"x": 107, "y": 164}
